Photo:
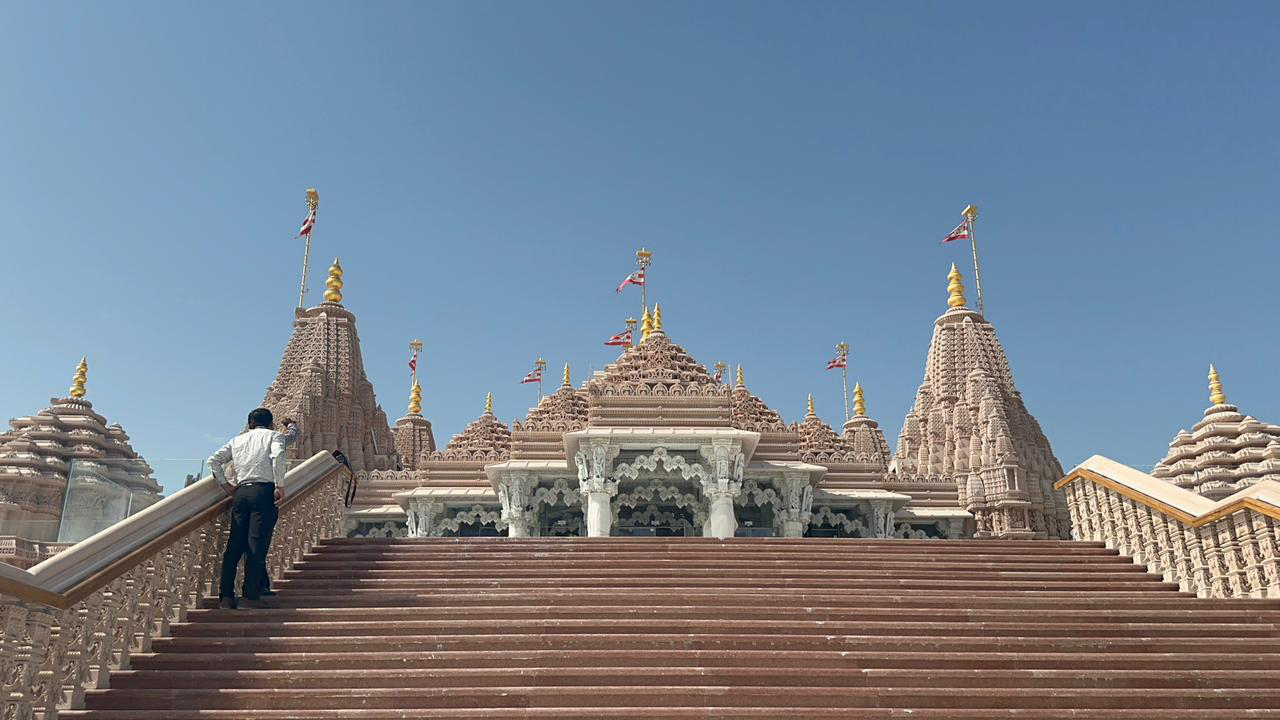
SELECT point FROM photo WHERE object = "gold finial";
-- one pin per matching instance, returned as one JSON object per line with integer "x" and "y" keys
{"x": 566, "y": 376}
{"x": 643, "y": 257}
{"x": 488, "y": 404}
{"x": 646, "y": 325}
{"x": 1216, "y": 396}
{"x": 720, "y": 368}
{"x": 77, "y": 382}
{"x": 415, "y": 399}
{"x": 955, "y": 287}
{"x": 657, "y": 318}
{"x": 811, "y": 412}
{"x": 313, "y": 199}
{"x": 859, "y": 408}
{"x": 970, "y": 212}
{"x": 333, "y": 286}
{"x": 740, "y": 382}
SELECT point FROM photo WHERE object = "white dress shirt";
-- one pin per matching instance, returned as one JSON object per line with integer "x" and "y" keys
{"x": 259, "y": 456}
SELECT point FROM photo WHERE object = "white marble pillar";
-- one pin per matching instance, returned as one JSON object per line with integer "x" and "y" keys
{"x": 596, "y": 484}
{"x": 514, "y": 495}
{"x": 796, "y": 508}
{"x": 792, "y": 528}
{"x": 599, "y": 514}
{"x": 722, "y": 521}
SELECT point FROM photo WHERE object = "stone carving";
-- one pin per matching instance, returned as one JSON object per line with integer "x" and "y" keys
{"x": 565, "y": 410}
{"x": 1224, "y": 453}
{"x": 519, "y": 512}
{"x": 322, "y": 384}
{"x": 969, "y": 422}
{"x": 851, "y": 526}
{"x": 66, "y": 457}
{"x": 486, "y": 438}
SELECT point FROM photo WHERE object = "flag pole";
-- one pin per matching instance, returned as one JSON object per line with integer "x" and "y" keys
{"x": 313, "y": 199}
{"x": 970, "y": 213}
{"x": 843, "y": 349}
{"x": 643, "y": 258}
{"x": 540, "y": 365}
{"x": 416, "y": 347}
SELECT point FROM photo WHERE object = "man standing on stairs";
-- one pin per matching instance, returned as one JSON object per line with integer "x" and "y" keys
{"x": 260, "y": 459}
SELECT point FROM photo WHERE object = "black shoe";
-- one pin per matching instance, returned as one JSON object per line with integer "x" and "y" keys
{"x": 226, "y": 603}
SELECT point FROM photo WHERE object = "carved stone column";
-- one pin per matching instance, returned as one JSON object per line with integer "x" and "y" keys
{"x": 515, "y": 493}
{"x": 882, "y": 521}
{"x": 722, "y": 487}
{"x": 796, "y": 509}
{"x": 423, "y": 515}
{"x": 597, "y": 484}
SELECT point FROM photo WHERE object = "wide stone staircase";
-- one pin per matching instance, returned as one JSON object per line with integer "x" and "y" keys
{"x": 696, "y": 628}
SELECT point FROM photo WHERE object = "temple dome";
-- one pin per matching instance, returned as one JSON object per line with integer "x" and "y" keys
{"x": 564, "y": 410}
{"x": 656, "y": 363}
{"x": 486, "y": 438}
{"x": 1225, "y": 452}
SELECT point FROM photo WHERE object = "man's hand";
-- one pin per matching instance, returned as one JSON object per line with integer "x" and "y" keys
{"x": 279, "y": 496}
{"x": 288, "y": 421}
{"x": 227, "y": 488}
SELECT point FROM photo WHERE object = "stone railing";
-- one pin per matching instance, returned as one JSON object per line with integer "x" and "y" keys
{"x": 1223, "y": 549}
{"x": 68, "y": 622}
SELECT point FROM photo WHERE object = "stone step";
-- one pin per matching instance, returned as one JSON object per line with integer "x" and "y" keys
{"x": 814, "y": 612}
{"x": 693, "y": 627}
{"x": 656, "y": 696}
{"x": 719, "y": 657}
{"x": 663, "y": 563}
{"x": 667, "y": 712}
{"x": 706, "y": 641}
{"x": 733, "y": 580}
{"x": 525, "y": 676}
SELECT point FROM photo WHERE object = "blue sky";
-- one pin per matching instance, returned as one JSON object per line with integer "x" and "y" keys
{"x": 487, "y": 170}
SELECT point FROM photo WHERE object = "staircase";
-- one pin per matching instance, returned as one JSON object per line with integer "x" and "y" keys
{"x": 691, "y": 628}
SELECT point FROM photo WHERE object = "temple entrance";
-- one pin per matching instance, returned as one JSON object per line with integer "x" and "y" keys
{"x": 654, "y": 521}
{"x": 561, "y": 521}
{"x": 755, "y": 521}
{"x": 476, "y": 529}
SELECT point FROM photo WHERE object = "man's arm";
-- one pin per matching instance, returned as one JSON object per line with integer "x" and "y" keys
{"x": 216, "y": 461}
{"x": 279, "y": 460}
{"x": 290, "y": 433}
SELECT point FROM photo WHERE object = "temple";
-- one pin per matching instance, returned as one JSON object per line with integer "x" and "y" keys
{"x": 1225, "y": 452}
{"x": 653, "y": 444}
{"x": 66, "y": 474}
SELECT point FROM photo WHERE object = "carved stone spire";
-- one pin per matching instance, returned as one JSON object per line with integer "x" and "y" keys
{"x": 969, "y": 421}
{"x": 322, "y": 384}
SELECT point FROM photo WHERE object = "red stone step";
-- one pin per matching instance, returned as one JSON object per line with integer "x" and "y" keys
{"x": 525, "y": 676}
{"x": 700, "y": 628}
{"x": 707, "y": 658}
{"x": 817, "y": 697}
{"x": 642, "y": 627}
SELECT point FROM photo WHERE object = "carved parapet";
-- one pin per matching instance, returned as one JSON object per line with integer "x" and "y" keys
{"x": 63, "y": 630}
{"x": 1227, "y": 548}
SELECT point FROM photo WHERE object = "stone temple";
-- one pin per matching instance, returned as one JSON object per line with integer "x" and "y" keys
{"x": 654, "y": 445}
{"x": 65, "y": 474}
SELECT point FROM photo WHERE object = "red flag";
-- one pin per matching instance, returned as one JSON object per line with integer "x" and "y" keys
{"x": 532, "y": 377}
{"x": 413, "y": 362}
{"x": 837, "y": 362}
{"x": 719, "y": 375}
{"x": 622, "y": 338}
{"x": 961, "y": 232}
{"x": 635, "y": 278}
{"x": 307, "y": 224}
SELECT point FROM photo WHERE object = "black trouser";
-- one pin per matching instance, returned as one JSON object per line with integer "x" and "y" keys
{"x": 253, "y": 517}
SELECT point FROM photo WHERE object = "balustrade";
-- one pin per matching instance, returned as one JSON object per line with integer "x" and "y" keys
{"x": 66, "y": 624}
{"x": 1228, "y": 548}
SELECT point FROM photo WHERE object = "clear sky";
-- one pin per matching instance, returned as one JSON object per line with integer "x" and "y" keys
{"x": 487, "y": 169}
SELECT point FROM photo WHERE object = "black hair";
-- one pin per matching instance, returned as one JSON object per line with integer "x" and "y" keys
{"x": 261, "y": 418}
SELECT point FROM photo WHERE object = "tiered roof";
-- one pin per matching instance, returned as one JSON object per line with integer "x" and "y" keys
{"x": 1225, "y": 452}
{"x": 36, "y": 457}
{"x": 486, "y": 439}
